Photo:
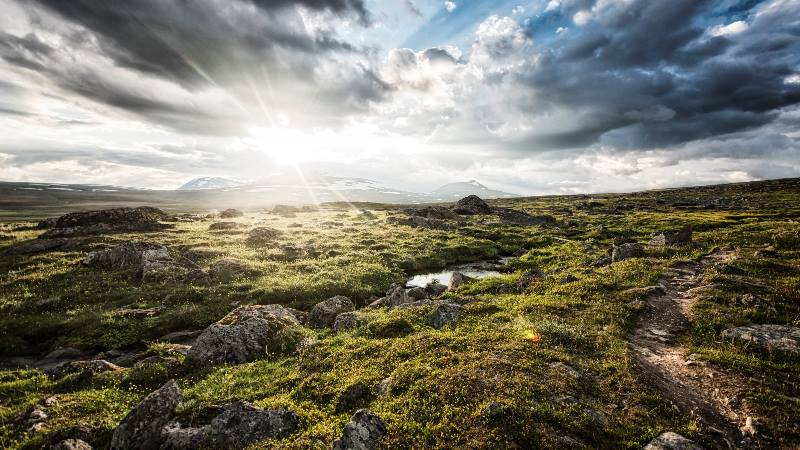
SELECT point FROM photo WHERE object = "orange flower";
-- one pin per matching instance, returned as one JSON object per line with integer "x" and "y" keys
{"x": 535, "y": 338}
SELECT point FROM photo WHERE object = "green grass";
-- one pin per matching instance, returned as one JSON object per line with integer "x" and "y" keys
{"x": 479, "y": 383}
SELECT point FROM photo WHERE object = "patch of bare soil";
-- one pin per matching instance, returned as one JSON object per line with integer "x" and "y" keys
{"x": 711, "y": 396}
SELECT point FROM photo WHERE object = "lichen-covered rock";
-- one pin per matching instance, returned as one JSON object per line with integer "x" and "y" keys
{"x": 397, "y": 296}
{"x": 672, "y": 441}
{"x": 230, "y": 213}
{"x": 417, "y": 293}
{"x": 141, "y": 428}
{"x": 72, "y": 444}
{"x": 241, "y": 424}
{"x": 263, "y": 234}
{"x": 471, "y": 205}
{"x": 443, "y": 314}
{"x": 346, "y": 321}
{"x": 158, "y": 265}
{"x": 125, "y": 256}
{"x": 364, "y": 432}
{"x": 779, "y": 339}
{"x": 324, "y": 313}
{"x": 627, "y": 251}
{"x": 227, "y": 269}
{"x": 664, "y": 238}
{"x": 245, "y": 334}
{"x": 434, "y": 288}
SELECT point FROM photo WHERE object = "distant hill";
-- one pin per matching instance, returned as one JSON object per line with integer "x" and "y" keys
{"x": 203, "y": 183}
{"x": 455, "y": 191}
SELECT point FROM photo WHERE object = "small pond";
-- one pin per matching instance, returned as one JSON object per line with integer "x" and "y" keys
{"x": 478, "y": 269}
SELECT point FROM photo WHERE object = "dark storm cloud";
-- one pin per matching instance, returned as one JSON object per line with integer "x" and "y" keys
{"x": 652, "y": 75}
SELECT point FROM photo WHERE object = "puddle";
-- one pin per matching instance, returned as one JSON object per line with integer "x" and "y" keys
{"x": 480, "y": 269}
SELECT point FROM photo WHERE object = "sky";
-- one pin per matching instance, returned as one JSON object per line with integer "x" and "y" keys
{"x": 531, "y": 97}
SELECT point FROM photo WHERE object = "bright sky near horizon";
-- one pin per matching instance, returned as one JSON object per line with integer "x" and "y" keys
{"x": 547, "y": 96}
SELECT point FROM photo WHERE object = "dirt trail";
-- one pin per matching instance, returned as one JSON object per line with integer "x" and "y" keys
{"x": 707, "y": 394}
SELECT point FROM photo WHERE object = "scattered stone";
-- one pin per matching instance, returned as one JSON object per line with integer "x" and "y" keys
{"x": 417, "y": 293}
{"x": 355, "y": 396}
{"x": 263, "y": 234}
{"x": 672, "y": 441}
{"x": 241, "y": 424}
{"x": 86, "y": 368}
{"x": 665, "y": 238}
{"x": 627, "y": 251}
{"x": 64, "y": 353}
{"x": 363, "y": 432}
{"x": 457, "y": 279}
{"x": 226, "y": 226}
{"x": 72, "y": 444}
{"x": 397, "y": 296}
{"x": 230, "y": 213}
{"x": 443, "y": 314}
{"x": 227, "y": 269}
{"x": 346, "y": 321}
{"x": 471, "y": 205}
{"x": 730, "y": 269}
{"x": 245, "y": 334}
{"x": 157, "y": 265}
{"x": 529, "y": 277}
{"x": 779, "y": 339}
{"x": 141, "y": 428}
{"x": 434, "y": 288}
{"x": 519, "y": 252}
{"x": 324, "y": 313}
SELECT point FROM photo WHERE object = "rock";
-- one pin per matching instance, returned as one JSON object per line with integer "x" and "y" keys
{"x": 363, "y": 432}
{"x": 86, "y": 368}
{"x": 176, "y": 438}
{"x": 355, "y": 396}
{"x": 143, "y": 218}
{"x": 227, "y": 269}
{"x": 241, "y": 424}
{"x": 125, "y": 256}
{"x": 39, "y": 246}
{"x": 141, "y": 428}
{"x": 434, "y": 288}
{"x": 779, "y": 339}
{"x": 433, "y": 212}
{"x": 672, "y": 441}
{"x": 378, "y": 303}
{"x": 263, "y": 234}
{"x": 529, "y": 277}
{"x": 245, "y": 334}
{"x": 417, "y": 293}
{"x": 384, "y": 387}
{"x": 519, "y": 252}
{"x": 627, "y": 251}
{"x": 397, "y": 296}
{"x": 599, "y": 419}
{"x": 301, "y": 316}
{"x": 226, "y": 226}
{"x": 72, "y": 444}
{"x": 231, "y": 213}
{"x": 157, "y": 265}
{"x": 471, "y": 205}
{"x": 443, "y": 314}
{"x": 48, "y": 223}
{"x": 346, "y": 321}
{"x": 664, "y": 238}
{"x": 457, "y": 279}
{"x": 324, "y": 313}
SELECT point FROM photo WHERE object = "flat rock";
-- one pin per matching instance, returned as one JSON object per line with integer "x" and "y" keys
{"x": 781, "y": 339}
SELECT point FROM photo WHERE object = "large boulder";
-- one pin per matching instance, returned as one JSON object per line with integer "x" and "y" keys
{"x": 245, "y": 334}
{"x": 158, "y": 265}
{"x": 143, "y": 218}
{"x": 443, "y": 314}
{"x": 364, "y": 432}
{"x": 324, "y": 313}
{"x": 626, "y": 251}
{"x": 141, "y": 428}
{"x": 231, "y": 213}
{"x": 779, "y": 339}
{"x": 672, "y": 441}
{"x": 471, "y": 205}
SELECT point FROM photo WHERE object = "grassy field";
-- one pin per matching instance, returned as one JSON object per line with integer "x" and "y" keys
{"x": 488, "y": 381}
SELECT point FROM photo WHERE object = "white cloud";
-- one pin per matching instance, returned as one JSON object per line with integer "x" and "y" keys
{"x": 729, "y": 29}
{"x": 450, "y": 5}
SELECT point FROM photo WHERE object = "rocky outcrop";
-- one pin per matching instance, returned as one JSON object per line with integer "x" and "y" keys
{"x": 471, "y": 205}
{"x": 142, "y": 427}
{"x": 231, "y": 213}
{"x": 152, "y": 261}
{"x": 364, "y": 432}
{"x": 245, "y": 334}
{"x": 778, "y": 339}
{"x": 443, "y": 314}
{"x": 626, "y": 251}
{"x": 672, "y": 441}
{"x": 324, "y": 313}
{"x": 144, "y": 218}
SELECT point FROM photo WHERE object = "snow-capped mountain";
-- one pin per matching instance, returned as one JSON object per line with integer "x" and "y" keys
{"x": 455, "y": 191}
{"x": 203, "y": 183}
